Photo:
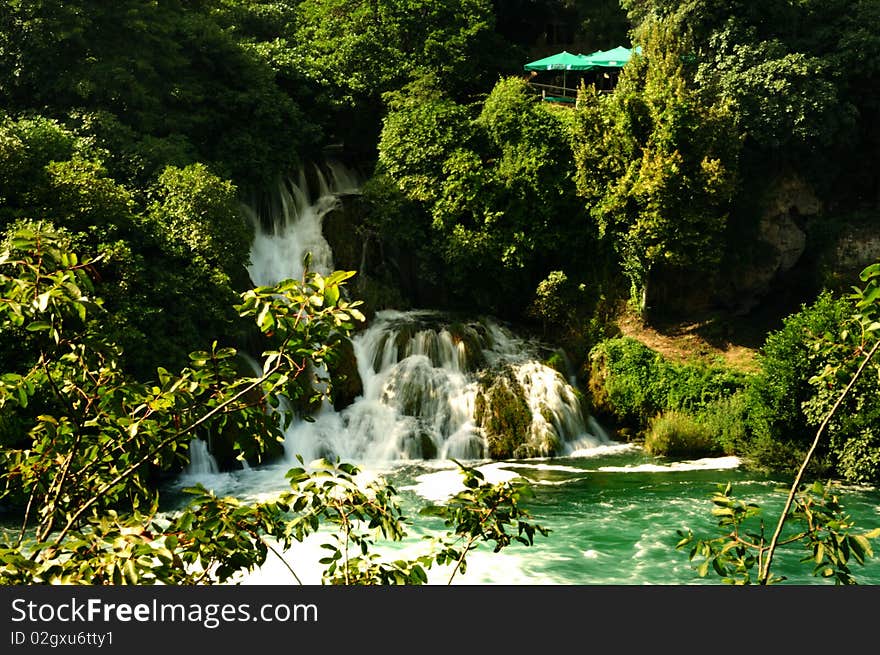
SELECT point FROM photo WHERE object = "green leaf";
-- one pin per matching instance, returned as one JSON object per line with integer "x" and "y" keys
{"x": 703, "y": 569}
{"x": 331, "y": 295}
{"x": 37, "y": 326}
{"x": 265, "y": 320}
{"x": 872, "y": 295}
{"x": 871, "y": 271}
{"x": 861, "y": 543}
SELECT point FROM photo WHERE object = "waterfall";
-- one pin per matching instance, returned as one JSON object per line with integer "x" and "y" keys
{"x": 201, "y": 461}
{"x": 427, "y": 378}
{"x": 422, "y": 374}
{"x": 299, "y": 206}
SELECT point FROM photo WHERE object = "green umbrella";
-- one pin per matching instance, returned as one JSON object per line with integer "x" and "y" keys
{"x": 564, "y": 61}
{"x": 614, "y": 58}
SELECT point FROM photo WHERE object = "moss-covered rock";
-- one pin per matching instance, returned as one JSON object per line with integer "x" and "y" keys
{"x": 345, "y": 380}
{"x": 502, "y": 412}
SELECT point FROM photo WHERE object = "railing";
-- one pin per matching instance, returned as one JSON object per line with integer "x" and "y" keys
{"x": 552, "y": 93}
{"x": 563, "y": 91}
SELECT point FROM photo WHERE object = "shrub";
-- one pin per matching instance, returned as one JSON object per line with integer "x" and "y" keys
{"x": 630, "y": 382}
{"x": 727, "y": 420}
{"x": 788, "y": 361}
{"x": 676, "y": 433}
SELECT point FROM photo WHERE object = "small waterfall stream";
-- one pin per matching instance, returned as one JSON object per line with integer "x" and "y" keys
{"x": 201, "y": 461}
{"x": 295, "y": 229}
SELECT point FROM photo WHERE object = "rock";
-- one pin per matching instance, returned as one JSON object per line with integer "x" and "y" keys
{"x": 345, "y": 380}
{"x": 502, "y": 412}
{"x": 355, "y": 248}
{"x": 787, "y": 239}
{"x": 857, "y": 246}
{"x": 781, "y": 242}
{"x": 341, "y": 228}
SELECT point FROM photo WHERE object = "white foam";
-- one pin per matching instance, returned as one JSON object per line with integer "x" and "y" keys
{"x": 483, "y": 566}
{"x": 443, "y": 484}
{"x": 555, "y": 483}
{"x": 606, "y": 449}
{"x": 544, "y": 467}
{"x": 704, "y": 464}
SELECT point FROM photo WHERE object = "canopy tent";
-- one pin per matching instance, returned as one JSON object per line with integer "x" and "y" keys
{"x": 564, "y": 61}
{"x": 561, "y": 61}
{"x": 614, "y": 58}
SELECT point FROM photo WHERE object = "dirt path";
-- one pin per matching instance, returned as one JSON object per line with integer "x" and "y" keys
{"x": 704, "y": 340}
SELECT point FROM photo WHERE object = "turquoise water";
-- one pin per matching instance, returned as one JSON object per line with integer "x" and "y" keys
{"x": 613, "y": 514}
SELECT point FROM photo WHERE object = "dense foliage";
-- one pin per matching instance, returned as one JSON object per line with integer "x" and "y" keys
{"x": 768, "y": 416}
{"x": 656, "y": 163}
{"x": 822, "y": 525}
{"x": 632, "y": 383}
{"x": 168, "y": 252}
{"x": 494, "y": 187}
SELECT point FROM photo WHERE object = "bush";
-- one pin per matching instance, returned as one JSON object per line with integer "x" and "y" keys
{"x": 630, "y": 382}
{"x": 779, "y": 393}
{"x": 727, "y": 420}
{"x": 678, "y": 434}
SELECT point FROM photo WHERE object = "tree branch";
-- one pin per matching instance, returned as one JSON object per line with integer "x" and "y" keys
{"x": 143, "y": 460}
{"x": 764, "y": 575}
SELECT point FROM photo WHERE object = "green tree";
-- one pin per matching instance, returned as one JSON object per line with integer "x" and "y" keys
{"x": 496, "y": 186}
{"x": 167, "y": 71}
{"x": 199, "y": 212}
{"x": 173, "y": 255}
{"x": 777, "y": 395}
{"x": 422, "y": 128}
{"x": 357, "y": 50}
{"x": 657, "y": 165}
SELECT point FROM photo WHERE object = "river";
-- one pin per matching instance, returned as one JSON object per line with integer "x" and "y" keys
{"x": 613, "y": 512}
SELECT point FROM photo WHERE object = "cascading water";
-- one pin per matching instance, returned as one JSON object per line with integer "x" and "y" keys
{"x": 279, "y": 249}
{"x": 201, "y": 461}
{"x": 425, "y": 377}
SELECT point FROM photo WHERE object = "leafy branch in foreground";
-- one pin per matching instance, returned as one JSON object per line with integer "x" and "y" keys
{"x": 483, "y": 513}
{"x": 360, "y": 513}
{"x": 822, "y": 526}
{"x": 817, "y": 525}
{"x": 352, "y": 516}
{"x": 92, "y": 439}
{"x": 82, "y": 471}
